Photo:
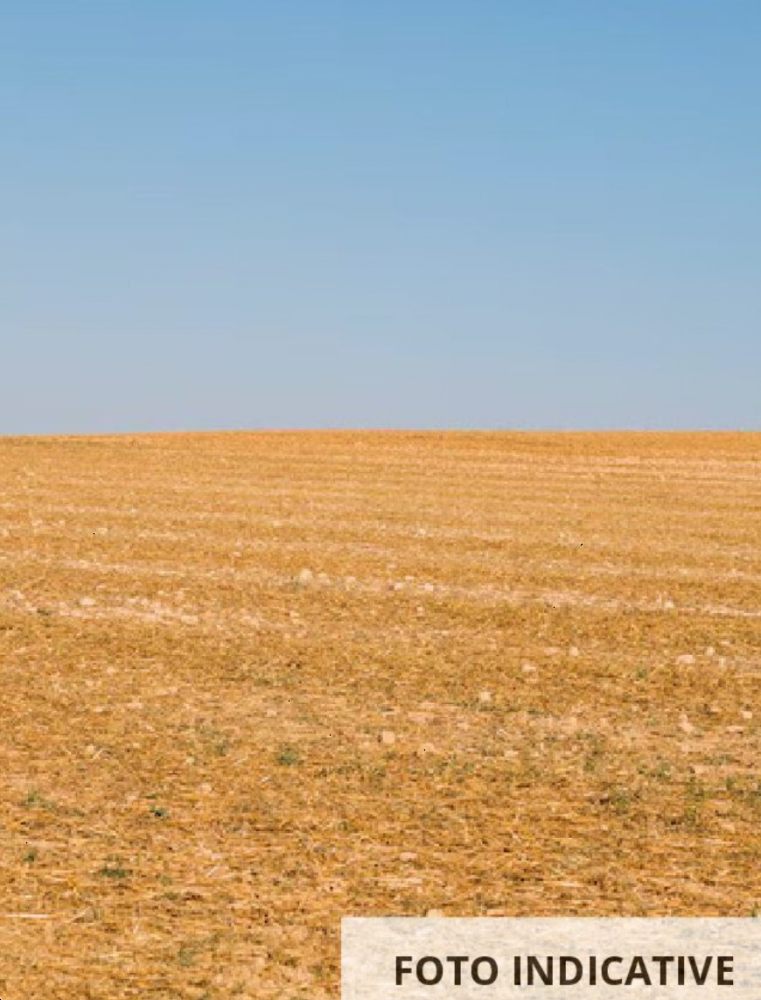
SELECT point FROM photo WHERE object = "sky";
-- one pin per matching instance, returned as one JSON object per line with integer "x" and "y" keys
{"x": 530, "y": 214}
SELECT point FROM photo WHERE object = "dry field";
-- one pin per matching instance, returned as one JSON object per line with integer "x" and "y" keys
{"x": 255, "y": 682}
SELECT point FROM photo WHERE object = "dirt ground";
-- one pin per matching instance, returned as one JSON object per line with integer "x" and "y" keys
{"x": 251, "y": 683}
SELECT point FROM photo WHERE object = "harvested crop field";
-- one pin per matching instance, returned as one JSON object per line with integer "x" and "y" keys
{"x": 252, "y": 683}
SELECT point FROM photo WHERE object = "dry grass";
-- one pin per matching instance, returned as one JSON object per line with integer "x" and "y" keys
{"x": 521, "y": 677}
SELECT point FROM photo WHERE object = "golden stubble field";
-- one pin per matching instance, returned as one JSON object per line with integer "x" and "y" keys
{"x": 255, "y": 682}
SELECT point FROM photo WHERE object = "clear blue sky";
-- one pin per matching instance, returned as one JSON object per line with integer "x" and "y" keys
{"x": 389, "y": 213}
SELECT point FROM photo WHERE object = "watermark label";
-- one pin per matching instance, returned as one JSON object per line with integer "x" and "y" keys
{"x": 581, "y": 958}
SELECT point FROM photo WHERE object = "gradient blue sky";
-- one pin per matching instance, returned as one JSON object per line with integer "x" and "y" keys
{"x": 481, "y": 213}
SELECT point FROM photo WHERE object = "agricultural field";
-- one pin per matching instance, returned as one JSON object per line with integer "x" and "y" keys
{"x": 252, "y": 683}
